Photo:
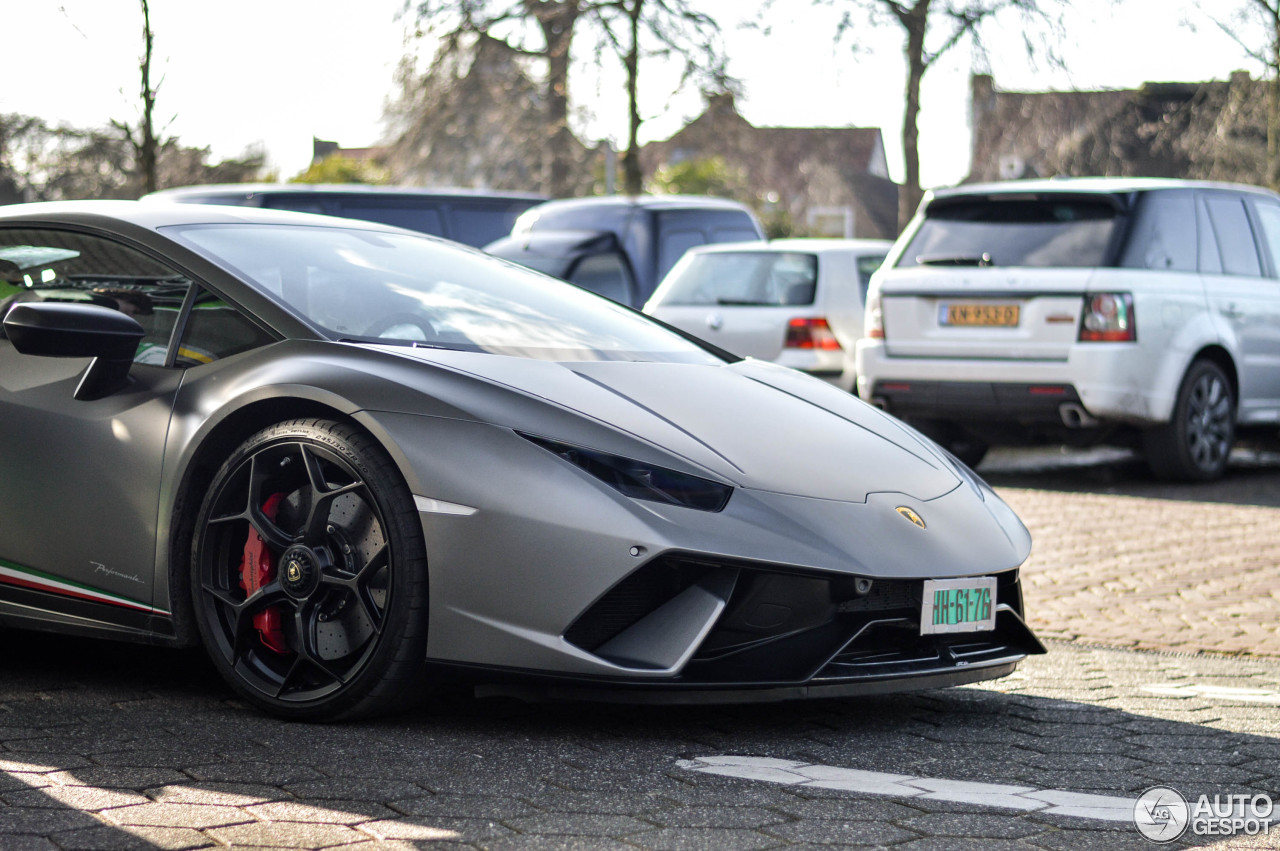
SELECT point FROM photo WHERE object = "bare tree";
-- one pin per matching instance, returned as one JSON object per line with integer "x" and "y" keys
{"x": 1255, "y": 26}
{"x": 540, "y": 29}
{"x": 143, "y": 138}
{"x": 473, "y": 118}
{"x": 930, "y": 29}
{"x": 671, "y": 28}
{"x": 545, "y": 30}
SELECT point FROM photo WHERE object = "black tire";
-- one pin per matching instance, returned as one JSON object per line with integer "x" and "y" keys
{"x": 344, "y": 572}
{"x": 1196, "y": 442}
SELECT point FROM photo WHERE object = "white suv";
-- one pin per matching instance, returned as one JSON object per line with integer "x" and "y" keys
{"x": 1133, "y": 311}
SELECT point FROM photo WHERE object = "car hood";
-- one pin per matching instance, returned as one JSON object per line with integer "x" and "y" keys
{"x": 753, "y": 424}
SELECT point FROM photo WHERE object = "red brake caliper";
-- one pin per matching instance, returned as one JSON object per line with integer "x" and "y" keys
{"x": 257, "y": 569}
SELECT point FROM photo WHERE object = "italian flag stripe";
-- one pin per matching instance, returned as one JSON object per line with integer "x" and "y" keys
{"x": 25, "y": 577}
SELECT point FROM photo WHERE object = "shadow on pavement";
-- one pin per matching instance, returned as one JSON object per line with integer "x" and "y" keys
{"x": 151, "y": 743}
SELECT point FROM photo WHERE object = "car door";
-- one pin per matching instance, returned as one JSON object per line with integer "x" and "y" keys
{"x": 79, "y": 480}
{"x": 1245, "y": 296}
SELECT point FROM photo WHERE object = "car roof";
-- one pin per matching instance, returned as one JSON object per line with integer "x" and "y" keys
{"x": 812, "y": 245}
{"x": 1098, "y": 185}
{"x": 152, "y": 216}
{"x": 177, "y": 193}
{"x": 640, "y": 202}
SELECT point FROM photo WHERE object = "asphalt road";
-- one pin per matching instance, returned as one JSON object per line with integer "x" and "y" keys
{"x": 105, "y": 747}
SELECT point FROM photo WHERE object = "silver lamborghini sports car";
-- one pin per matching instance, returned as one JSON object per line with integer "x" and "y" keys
{"x": 352, "y": 460}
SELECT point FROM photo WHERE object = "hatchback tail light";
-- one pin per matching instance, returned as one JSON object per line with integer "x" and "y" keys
{"x": 1108, "y": 318}
{"x": 811, "y": 333}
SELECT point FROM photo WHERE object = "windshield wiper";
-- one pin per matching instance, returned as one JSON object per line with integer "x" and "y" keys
{"x": 983, "y": 259}
{"x": 744, "y": 302}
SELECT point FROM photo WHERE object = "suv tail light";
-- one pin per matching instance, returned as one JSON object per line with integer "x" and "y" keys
{"x": 875, "y": 317}
{"x": 810, "y": 333}
{"x": 1108, "y": 318}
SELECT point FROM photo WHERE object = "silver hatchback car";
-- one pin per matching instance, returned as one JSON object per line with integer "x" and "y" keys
{"x": 795, "y": 302}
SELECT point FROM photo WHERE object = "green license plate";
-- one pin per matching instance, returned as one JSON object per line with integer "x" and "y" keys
{"x": 958, "y": 605}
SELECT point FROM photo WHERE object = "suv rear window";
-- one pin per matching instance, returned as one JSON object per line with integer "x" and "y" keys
{"x": 1015, "y": 231}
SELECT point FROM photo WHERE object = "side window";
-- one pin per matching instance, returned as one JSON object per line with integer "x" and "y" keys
{"x": 217, "y": 330}
{"x": 1231, "y": 227}
{"x": 38, "y": 265}
{"x": 1269, "y": 220}
{"x": 1164, "y": 235}
{"x": 867, "y": 266}
{"x": 673, "y": 246}
{"x": 604, "y": 274}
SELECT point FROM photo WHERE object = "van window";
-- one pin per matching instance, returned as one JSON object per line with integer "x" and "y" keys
{"x": 419, "y": 217}
{"x": 673, "y": 246}
{"x": 1235, "y": 237}
{"x": 734, "y": 235}
{"x": 480, "y": 225}
{"x": 604, "y": 274}
{"x": 293, "y": 202}
{"x": 1164, "y": 233}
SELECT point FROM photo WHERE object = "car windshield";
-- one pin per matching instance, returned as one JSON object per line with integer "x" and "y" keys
{"x": 760, "y": 278}
{"x": 1016, "y": 231}
{"x": 371, "y": 286}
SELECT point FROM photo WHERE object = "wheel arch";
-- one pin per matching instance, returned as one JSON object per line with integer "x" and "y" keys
{"x": 210, "y": 450}
{"x": 1222, "y": 358}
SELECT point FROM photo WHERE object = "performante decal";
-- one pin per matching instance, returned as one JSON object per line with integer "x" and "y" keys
{"x": 25, "y": 577}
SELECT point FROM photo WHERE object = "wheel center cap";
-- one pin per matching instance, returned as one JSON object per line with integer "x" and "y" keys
{"x": 299, "y": 572}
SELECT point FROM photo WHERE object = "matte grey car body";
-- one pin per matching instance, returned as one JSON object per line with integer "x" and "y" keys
{"x": 524, "y": 499}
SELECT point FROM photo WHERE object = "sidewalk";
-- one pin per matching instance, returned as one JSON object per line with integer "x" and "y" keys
{"x": 1152, "y": 573}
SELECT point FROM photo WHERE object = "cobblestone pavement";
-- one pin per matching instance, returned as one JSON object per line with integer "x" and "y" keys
{"x": 112, "y": 748}
{"x": 115, "y": 747}
{"x": 1149, "y": 565}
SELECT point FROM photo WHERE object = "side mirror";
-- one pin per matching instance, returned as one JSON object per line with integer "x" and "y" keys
{"x": 53, "y": 329}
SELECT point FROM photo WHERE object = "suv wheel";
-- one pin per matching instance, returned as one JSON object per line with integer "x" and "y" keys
{"x": 1194, "y": 445}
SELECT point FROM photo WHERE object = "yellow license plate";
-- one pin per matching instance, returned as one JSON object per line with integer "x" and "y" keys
{"x": 981, "y": 315}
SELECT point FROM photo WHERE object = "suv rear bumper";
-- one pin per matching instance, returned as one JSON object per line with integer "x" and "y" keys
{"x": 977, "y": 400}
{"x": 1112, "y": 383}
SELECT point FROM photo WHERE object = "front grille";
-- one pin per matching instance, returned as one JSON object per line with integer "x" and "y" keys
{"x": 782, "y": 625}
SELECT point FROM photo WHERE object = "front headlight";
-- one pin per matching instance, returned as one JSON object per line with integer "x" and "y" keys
{"x": 639, "y": 480}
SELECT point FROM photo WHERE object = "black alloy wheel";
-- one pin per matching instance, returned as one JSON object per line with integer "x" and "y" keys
{"x": 309, "y": 578}
{"x": 1196, "y": 443}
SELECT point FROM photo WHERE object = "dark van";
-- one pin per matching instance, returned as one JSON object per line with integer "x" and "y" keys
{"x": 621, "y": 247}
{"x": 471, "y": 216}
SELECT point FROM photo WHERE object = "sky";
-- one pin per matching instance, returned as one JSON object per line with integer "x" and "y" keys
{"x": 271, "y": 74}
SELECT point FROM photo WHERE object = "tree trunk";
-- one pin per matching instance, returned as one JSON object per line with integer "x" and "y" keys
{"x": 915, "y": 22}
{"x": 557, "y": 21}
{"x": 632, "y": 177}
{"x": 1273, "y": 101}
{"x": 147, "y": 146}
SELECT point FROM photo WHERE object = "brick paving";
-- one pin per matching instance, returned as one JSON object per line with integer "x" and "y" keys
{"x": 1156, "y": 574}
